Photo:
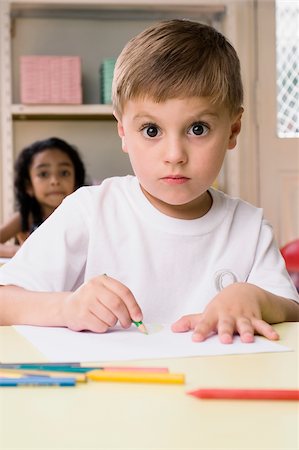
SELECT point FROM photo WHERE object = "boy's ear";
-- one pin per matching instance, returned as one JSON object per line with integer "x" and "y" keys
{"x": 121, "y": 134}
{"x": 235, "y": 130}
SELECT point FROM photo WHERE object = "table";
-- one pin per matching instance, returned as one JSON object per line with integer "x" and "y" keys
{"x": 103, "y": 415}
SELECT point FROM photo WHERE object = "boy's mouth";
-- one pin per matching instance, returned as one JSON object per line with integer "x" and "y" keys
{"x": 175, "y": 179}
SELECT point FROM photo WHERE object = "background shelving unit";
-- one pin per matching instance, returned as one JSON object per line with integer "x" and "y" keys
{"x": 94, "y": 30}
{"x": 62, "y": 112}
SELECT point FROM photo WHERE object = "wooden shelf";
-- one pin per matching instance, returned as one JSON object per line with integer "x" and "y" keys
{"x": 62, "y": 112}
{"x": 90, "y": 125}
{"x": 211, "y": 6}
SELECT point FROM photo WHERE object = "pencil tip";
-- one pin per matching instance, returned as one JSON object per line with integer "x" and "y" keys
{"x": 143, "y": 329}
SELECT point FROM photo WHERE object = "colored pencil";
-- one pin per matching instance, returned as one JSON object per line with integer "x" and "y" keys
{"x": 246, "y": 394}
{"x": 80, "y": 368}
{"x": 136, "y": 377}
{"x": 7, "y": 372}
{"x": 36, "y": 381}
{"x": 140, "y": 325}
{"x": 13, "y": 374}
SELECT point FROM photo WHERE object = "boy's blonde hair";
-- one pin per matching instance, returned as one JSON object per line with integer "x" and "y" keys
{"x": 177, "y": 59}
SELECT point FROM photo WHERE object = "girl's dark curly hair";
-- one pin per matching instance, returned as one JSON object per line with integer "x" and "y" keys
{"x": 26, "y": 204}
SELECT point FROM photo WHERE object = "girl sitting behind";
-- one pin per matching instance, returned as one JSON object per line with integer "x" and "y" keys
{"x": 45, "y": 173}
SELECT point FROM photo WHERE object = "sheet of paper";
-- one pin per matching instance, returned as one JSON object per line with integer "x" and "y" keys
{"x": 61, "y": 344}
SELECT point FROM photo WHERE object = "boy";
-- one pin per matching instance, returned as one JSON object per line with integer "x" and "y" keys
{"x": 174, "y": 249}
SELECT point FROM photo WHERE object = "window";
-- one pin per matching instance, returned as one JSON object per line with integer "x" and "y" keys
{"x": 287, "y": 70}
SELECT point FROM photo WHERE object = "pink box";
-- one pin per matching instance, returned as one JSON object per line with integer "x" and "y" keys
{"x": 51, "y": 80}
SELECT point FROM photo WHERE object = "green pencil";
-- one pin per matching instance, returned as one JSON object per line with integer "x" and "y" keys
{"x": 140, "y": 325}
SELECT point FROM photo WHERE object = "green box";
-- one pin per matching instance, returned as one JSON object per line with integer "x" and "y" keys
{"x": 106, "y": 77}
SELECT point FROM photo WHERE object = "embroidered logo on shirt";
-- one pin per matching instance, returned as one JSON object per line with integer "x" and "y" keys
{"x": 224, "y": 278}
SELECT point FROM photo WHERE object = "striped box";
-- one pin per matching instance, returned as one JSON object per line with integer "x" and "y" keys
{"x": 51, "y": 80}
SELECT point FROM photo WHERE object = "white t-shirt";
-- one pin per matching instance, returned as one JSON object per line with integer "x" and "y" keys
{"x": 172, "y": 266}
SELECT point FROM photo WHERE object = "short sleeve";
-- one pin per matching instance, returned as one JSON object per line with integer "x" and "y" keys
{"x": 269, "y": 269}
{"x": 53, "y": 258}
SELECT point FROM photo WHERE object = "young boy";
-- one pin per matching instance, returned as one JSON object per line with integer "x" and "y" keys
{"x": 173, "y": 248}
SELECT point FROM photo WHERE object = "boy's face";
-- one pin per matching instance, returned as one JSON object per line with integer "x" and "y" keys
{"x": 176, "y": 149}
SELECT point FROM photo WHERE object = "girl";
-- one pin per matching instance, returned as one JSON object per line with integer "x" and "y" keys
{"x": 45, "y": 173}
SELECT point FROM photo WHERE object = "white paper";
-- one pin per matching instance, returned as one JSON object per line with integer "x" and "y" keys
{"x": 62, "y": 344}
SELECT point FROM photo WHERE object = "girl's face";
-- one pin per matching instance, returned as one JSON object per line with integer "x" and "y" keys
{"x": 52, "y": 178}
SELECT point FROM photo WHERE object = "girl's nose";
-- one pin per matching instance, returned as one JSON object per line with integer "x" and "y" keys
{"x": 54, "y": 179}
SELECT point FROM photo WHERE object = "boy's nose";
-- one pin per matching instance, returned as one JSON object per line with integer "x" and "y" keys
{"x": 175, "y": 152}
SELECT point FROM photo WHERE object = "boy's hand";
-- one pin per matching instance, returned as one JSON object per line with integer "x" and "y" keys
{"x": 240, "y": 308}
{"x": 98, "y": 304}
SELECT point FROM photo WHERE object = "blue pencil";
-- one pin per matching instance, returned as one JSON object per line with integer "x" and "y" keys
{"x": 36, "y": 381}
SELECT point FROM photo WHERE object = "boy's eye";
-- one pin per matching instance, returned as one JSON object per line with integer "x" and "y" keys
{"x": 150, "y": 130}
{"x": 199, "y": 129}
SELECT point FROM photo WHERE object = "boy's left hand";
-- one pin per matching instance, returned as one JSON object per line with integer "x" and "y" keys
{"x": 240, "y": 308}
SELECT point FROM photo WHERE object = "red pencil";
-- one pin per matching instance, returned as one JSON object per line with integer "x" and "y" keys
{"x": 247, "y": 394}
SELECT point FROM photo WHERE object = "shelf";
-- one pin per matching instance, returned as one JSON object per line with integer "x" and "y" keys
{"x": 28, "y": 7}
{"x": 121, "y": 10}
{"x": 62, "y": 112}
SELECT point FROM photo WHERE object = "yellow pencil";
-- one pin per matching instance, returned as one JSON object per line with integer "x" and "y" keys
{"x": 19, "y": 373}
{"x": 136, "y": 377}
{"x": 6, "y": 374}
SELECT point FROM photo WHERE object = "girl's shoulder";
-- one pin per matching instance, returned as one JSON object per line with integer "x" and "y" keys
{"x": 11, "y": 227}
{"x": 22, "y": 236}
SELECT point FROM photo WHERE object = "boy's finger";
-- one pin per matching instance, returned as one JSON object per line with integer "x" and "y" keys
{"x": 265, "y": 329}
{"x": 202, "y": 330}
{"x": 102, "y": 313}
{"x": 185, "y": 323}
{"x": 116, "y": 306}
{"x": 95, "y": 325}
{"x": 245, "y": 330}
{"x": 91, "y": 323}
{"x": 226, "y": 328}
{"x": 125, "y": 296}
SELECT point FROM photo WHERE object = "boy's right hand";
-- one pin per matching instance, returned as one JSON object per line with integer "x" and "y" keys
{"x": 99, "y": 304}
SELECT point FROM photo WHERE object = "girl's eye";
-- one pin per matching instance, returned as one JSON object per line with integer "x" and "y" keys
{"x": 43, "y": 174}
{"x": 199, "y": 129}
{"x": 65, "y": 173}
{"x": 150, "y": 130}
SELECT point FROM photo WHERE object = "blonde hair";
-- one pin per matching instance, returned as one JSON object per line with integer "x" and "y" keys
{"x": 177, "y": 59}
